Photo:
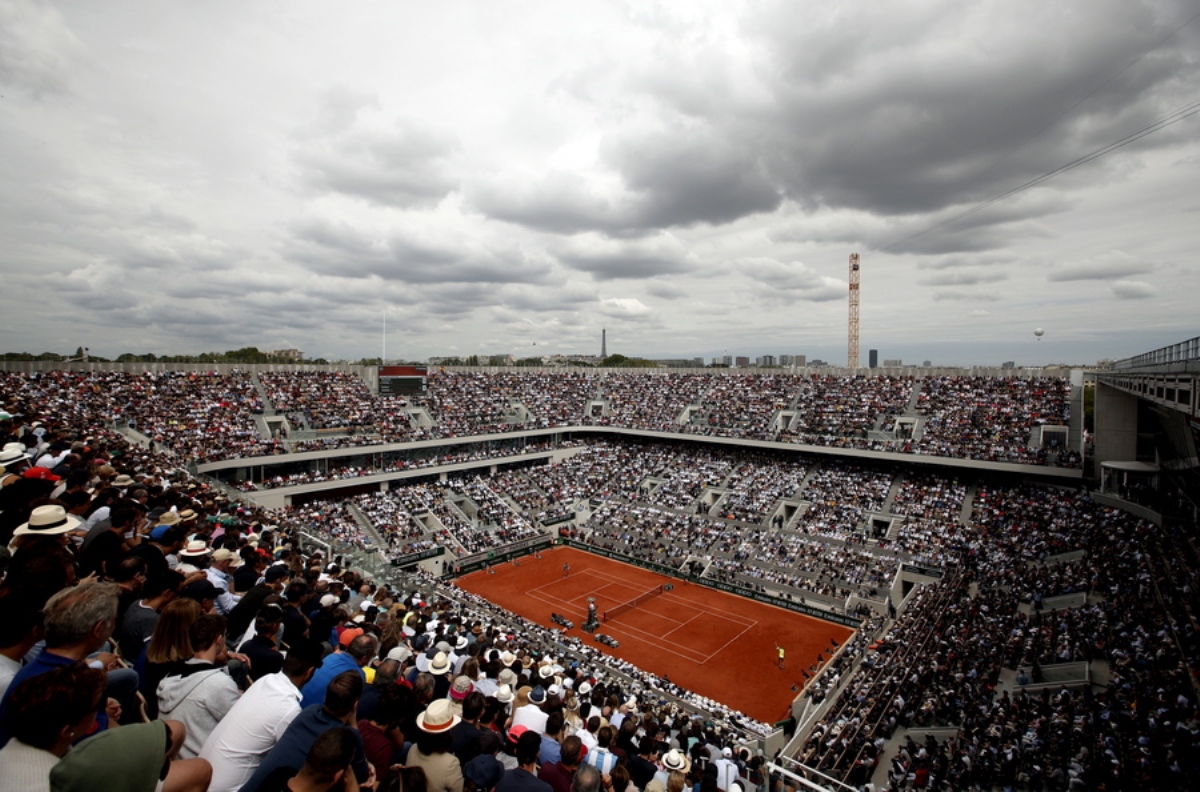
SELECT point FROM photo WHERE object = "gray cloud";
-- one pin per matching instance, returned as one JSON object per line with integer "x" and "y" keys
{"x": 609, "y": 259}
{"x": 396, "y": 164}
{"x": 240, "y": 182}
{"x": 665, "y": 290}
{"x": 338, "y": 249}
{"x": 1107, "y": 267}
{"x": 952, "y": 295}
{"x": 960, "y": 277}
{"x": 39, "y": 53}
{"x": 778, "y": 282}
{"x": 1133, "y": 290}
{"x": 679, "y": 177}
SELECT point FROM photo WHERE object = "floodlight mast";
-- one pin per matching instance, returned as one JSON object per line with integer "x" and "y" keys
{"x": 852, "y": 351}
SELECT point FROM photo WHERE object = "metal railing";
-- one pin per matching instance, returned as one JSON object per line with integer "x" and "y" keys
{"x": 1182, "y": 352}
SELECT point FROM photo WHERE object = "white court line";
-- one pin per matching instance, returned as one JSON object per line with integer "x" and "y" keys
{"x": 541, "y": 593}
{"x": 700, "y": 613}
{"x": 546, "y": 594}
{"x": 728, "y": 614}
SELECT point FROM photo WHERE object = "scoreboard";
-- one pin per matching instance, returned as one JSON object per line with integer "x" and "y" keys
{"x": 401, "y": 380}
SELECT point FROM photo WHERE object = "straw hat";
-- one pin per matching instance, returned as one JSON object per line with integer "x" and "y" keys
{"x": 48, "y": 521}
{"x": 438, "y": 717}
{"x": 440, "y": 664}
{"x": 676, "y": 760}
{"x": 196, "y": 548}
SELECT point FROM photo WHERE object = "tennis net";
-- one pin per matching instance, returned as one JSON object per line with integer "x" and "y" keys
{"x": 629, "y": 605}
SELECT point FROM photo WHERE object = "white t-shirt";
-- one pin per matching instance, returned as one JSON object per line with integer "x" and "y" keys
{"x": 237, "y": 745}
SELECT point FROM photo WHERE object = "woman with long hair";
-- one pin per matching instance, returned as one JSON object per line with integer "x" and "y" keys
{"x": 169, "y": 648}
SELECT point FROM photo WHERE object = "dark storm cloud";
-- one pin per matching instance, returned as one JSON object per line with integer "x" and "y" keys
{"x": 892, "y": 116}
{"x": 887, "y": 111}
{"x": 682, "y": 176}
{"x": 336, "y": 248}
{"x": 609, "y": 259}
{"x": 689, "y": 174}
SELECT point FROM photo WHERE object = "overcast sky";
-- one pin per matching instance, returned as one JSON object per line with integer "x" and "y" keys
{"x": 511, "y": 177}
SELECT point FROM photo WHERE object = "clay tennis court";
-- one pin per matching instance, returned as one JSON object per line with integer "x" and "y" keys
{"x": 716, "y": 644}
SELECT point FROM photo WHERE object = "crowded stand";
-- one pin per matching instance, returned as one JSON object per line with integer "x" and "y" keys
{"x": 831, "y": 407}
{"x": 188, "y": 548}
{"x": 204, "y": 416}
{"x": 655, "y": 402}
{"x": 187, "y": 582}
{"x": 754, "y": 488}
{"x": 321, "y": 399}
{"x": 744, "y": 405}
{"x": 990, "y": 418}
{"x": 932, "y": 529}
{"x": 393, "y": 462}
{"x": 841, "y": 494}
{"x": 469, "y": 403}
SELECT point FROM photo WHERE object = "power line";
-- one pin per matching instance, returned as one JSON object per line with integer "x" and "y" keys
{"x": 1171, "y": 118}
{"x": 1160, "y": 124}
{"x": 1100, "y": 86}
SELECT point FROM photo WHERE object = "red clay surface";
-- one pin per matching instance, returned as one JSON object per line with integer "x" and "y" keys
{"x": 716, "y": 644}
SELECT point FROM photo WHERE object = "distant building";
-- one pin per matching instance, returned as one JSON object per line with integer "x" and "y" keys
{"x": 766, "y": 360}
{"x": 926, "y": 363}
{"x": 873, "y": 358}
{"x": 288, "y": 355}
{"x": 724, "y": 360}
{"x": 698, "y": 362}
{"x": 1008, "y": 364}
{"x": 816, "y": 363}
{"x": 787, "y": 360}
{"x": 801, "y": 360}
{"x": 741, "y": 361}
{"x": 893, "y": 363}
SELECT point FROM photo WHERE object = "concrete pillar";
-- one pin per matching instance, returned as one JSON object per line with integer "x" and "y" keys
{"x": 1116, "y": 425}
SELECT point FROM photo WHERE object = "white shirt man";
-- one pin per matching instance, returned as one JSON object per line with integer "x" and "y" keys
{"x": 727, "y": 769}
{"x": 237, "y": 745}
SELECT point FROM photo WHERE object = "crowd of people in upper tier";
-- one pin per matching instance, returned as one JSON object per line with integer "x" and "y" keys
{"x": 204, "y": 415}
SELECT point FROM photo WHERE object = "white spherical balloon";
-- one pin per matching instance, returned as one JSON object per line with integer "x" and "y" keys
{"x": 1039, "y": 332}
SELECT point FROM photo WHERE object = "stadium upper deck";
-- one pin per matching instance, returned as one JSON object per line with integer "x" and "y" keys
{"x": 205, "y": 416}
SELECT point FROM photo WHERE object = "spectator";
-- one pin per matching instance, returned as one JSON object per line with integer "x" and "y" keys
{"x": 78, "y": 622}
{"x": 524, "y": 777}
{"x": 257, "y": 721}
{"x": 432, "y": 751}
{"x": 200, "y": 692}
{"x": 341, "y": 701}
{"x": 45, "y": 715}
{"x": 355, "y": 649}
